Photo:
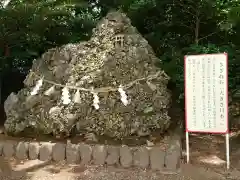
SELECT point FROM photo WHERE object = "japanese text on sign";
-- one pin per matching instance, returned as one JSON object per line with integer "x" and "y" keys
{"x": 206, "y": 93}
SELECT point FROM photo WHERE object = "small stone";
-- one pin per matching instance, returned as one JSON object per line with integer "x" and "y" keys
{"x": 1, "y": 148}
{"x": 157, "y": 158}
{"x": 85, "y": 153}
{"x": 45, "y": 152}
{"x": 126, "y": 158}
{"x": 72, "y": 153}
{"x": 59, "y": 152}
{"x": 22, "y": 150}
{"x": 9, "y": 149}
{"x": 141, "y": 157}
{"x": 91, "y": 137}
{"x": 99, "y": 154}
{"x": 33, "y": 150}
{"x": 112, "y": 155}
{"x": 149, "y": 143}
{"x": 173, "y": 156}
{"x": 2, "y": 131}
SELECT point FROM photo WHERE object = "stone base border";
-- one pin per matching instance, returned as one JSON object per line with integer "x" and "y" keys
{"x": 154, "y": 158}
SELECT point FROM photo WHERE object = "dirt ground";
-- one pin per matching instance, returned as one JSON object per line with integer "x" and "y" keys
{"x": 207, "y": 162}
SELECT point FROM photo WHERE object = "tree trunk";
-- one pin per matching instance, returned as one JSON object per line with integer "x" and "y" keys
{"x": 197, "y": 26}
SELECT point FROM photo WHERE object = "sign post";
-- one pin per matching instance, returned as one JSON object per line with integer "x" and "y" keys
{"x": 206, "y": 96}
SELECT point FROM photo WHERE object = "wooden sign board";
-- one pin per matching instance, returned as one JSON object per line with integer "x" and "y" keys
{"x": 206, "y": 93}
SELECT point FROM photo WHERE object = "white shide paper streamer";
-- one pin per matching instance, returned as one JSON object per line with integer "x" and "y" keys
{"x": 95, "y": 100}
{"x": 123, "y": 95}
{"x": 77, "y": 98}
{"x": 65, "y": 96}
{"x": 37, "y": 87}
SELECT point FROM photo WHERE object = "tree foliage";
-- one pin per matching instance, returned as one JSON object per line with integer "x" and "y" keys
{"x": 28, "y": 28}
{"x": 173, "y": 28}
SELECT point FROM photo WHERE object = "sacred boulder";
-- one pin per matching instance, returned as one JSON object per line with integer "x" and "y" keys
{"x": 108, "y": 85}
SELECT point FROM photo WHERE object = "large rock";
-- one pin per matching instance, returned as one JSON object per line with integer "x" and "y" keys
{"x": 115, "y": 55}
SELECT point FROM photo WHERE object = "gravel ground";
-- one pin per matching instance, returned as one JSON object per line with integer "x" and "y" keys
{"x": 37, "y": 170}
{"x": 202, "y": 148}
